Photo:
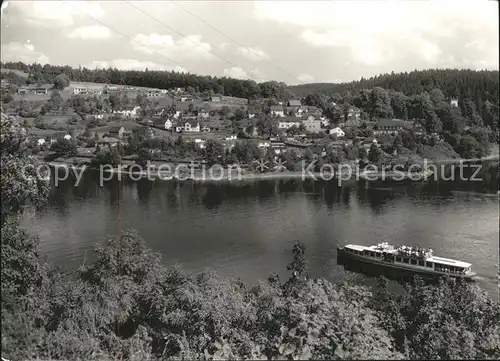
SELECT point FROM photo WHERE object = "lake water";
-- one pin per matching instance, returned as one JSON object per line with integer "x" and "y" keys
{"x": 247, "y": 230}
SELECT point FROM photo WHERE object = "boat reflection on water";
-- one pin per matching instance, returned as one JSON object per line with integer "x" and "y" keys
{"x": 375, "y": 271}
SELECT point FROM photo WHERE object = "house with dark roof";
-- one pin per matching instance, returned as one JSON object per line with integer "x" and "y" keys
{"x": 413, "y": 125}
{"x": 294, "y": 103}
{"x": 117, "y": 132}
{"x": 388, "y": 126}
{"x": 163, "y": 124}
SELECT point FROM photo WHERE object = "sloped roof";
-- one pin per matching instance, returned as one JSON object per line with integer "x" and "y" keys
{"x": 390, "y": 122}
{"x": 290, "y": 119}
{"x": 108, "y": 140}
{"x": 115, "y": 129}
{"x": 294, "y": 103}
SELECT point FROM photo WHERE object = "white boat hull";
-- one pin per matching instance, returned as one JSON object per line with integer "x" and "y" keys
{"x": 402, "y": 266}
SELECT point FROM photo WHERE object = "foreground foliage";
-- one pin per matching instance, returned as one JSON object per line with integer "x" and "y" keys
{"x": 128, "y": 305}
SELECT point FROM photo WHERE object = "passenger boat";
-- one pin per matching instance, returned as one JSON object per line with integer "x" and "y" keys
{"x": 409, "y": 258}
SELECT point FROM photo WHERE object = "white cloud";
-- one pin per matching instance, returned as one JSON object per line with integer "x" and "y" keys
{"x": 236, "y": 72}
{"x": 375, "y": 33}
{"x": 250, "y": 74}
{"x": 53, "y": 14}
{"x": 191, "y": 46}
{"x": 26, "y": 53}
{"x": 224, "y": 46}
{"x": 305, "y": 78}
{"x": 133, "y": 64}
{"x": 254, "y": 54}
{"x": 90, "y": 32}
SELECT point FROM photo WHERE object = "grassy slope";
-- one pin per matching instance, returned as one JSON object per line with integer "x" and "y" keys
{"x": 20, "y": 73}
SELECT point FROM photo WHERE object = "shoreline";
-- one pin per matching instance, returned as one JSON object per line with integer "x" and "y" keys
{"x": 239, "y": 175}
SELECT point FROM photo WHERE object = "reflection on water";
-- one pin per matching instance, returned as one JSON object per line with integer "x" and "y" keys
{"x": 247, "y": 229}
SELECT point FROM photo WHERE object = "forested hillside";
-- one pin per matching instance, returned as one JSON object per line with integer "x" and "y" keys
{"x": 249, "y": 89}
{"x": 476, "y": 85}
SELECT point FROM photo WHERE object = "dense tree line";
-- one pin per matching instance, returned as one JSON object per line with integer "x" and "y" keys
{"x": 479, "y": 86}
{"x": 249, "y": 89}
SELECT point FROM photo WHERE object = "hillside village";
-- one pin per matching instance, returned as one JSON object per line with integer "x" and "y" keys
{"x": 79, "y": 121}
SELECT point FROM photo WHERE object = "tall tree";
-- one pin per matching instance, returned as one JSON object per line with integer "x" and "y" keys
{"x": 61, "y": 81}
{"x": 379, "y": 103}
{"x": 398, "y": 104}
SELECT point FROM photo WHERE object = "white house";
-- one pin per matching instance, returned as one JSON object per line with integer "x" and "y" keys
{"x": 129, "y": 112}
{"x": 264, "y": 145}
{"x": 188, "y": 127}
{"x": 177, "y": 114}
{"x": 202, "y": 144}
{"x": 312, "y": 125}
{"x": 338, "y": 132}
{"x": 277, "y": 111}
{"x": 288, "y": 124}
{"x": 67, "y": 137}
{"x": 204, "y": 113}
{"x": 168, "y": 124}
{"x": 231, "y": 137}
{"x": 299, "y": 112}
{"x": 79, "y": 90}
{"x": 41, "y": 141}
{"x": 153, "y": 93}
{"x": 454, "y": 102}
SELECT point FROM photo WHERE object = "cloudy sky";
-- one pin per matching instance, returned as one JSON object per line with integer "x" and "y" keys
{"x": 295, "y": 42}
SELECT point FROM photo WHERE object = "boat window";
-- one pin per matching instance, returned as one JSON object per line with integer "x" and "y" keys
{"x": 406, "y": 260}
{"x": 413, "y": 261}
{"x": 428, "y": 264}
{"x": 420, "y": 263}
{"x": 372, "y": 254}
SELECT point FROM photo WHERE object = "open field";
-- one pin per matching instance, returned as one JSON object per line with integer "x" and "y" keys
{"x": 205, "y": 135}
{"x": 32, "y": 97}
{"x": 41, "y": 132}
{"x": 74, "y": 84}
{"x": 20, "y": 73}
{"x": 127, "y": 124}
